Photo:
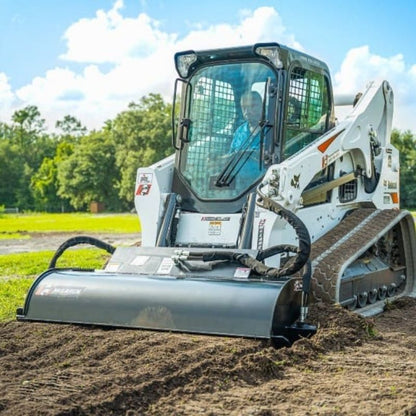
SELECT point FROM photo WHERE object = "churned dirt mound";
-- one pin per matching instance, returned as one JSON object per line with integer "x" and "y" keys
{"x": 352, "y": 366}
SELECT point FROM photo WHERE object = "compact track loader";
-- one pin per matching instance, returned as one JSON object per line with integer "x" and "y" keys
{"x": 268, "y": 201}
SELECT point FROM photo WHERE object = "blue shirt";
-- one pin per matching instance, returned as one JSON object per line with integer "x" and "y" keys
{"x": 240, "y": 138}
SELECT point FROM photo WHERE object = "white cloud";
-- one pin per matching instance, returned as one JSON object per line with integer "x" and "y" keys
{"x": 360, "y": 66}
{"x": 7, "y": 97}
{"x": 141, "y": 55}
{"x": 109, "y": 37}
{"x": 262, "y": 25}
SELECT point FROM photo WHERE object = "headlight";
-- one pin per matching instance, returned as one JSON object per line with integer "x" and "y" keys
{"x": 183, "y": 61}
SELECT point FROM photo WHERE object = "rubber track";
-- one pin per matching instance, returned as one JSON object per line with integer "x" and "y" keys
{"x": 330, "y": 252}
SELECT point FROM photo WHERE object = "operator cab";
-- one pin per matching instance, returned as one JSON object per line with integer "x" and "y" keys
{"x": 242, "y": 110}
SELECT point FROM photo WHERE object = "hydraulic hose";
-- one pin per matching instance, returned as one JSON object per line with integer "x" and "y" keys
{"x": 82, "y": 239}
{"x": 304, "y": 250}
{"x": 296, "y": 263}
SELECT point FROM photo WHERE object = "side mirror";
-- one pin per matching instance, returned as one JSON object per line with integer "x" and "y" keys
{"x": 179, "y": 120}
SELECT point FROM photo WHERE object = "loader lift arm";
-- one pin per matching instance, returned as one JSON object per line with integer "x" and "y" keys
{"x": 348, "y": 136}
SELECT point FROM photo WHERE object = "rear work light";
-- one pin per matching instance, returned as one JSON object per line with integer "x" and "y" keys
{"x": 269, "y": 51}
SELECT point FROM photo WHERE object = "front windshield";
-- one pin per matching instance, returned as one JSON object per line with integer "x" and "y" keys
{"x": 224, "y": 155}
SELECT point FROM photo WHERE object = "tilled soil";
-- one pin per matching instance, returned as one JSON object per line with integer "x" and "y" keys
{"x": 352, "y": 366}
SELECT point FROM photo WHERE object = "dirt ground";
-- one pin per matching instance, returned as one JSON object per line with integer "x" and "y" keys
{"x": 51, "y": 241}
{"x": 352, "y": 366}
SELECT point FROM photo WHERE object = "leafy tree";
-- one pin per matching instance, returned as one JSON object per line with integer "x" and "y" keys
{"x": 406, "y": 144}
{"x": 10, "y": 173}
{"x": 142, "y": 136}
{"x": 27, "y": 130}
{"x": 29, "y": 120}
{"x": 6, "y": 132}
{"x": 89, "y": 173}
{"x": 45, "y": 181}
{"x": 71, "y": 128}
{"x": 24, "y": 145}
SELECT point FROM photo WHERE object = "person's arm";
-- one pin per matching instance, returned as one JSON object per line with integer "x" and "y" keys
{"x": 239, "y": 137}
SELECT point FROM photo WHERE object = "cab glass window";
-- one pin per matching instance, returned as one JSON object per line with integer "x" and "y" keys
{"x": 307, "y": 110}
{"x": 222, "y": 156}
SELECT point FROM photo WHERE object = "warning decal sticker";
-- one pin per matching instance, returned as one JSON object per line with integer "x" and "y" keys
{"x": 112, "y": 267}
{"x": 143, "y": 189}
{"x": 139, "y": 260}
{"x": 242, "y": 272}
{"x": 214, "y": 228}
{"x": 165, "y": 266}
{"x": 145, "y": 184}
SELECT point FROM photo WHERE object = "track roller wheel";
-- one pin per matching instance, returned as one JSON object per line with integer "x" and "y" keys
{"x": 382, "y": 292}
{"x": 391, "y": 290}
{"x": 362, "y": 299}
{"x": 372, "y": 296}
{"x": 353, "y": 305}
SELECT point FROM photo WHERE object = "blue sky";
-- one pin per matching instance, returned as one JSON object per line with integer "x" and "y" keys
{"x": 90, "y": 58}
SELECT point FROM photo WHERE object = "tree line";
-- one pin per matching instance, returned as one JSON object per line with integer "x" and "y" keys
{"x": 69, "y": 169}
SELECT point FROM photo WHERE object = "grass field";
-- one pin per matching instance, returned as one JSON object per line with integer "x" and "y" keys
{"x": 18, "y": 270}
{"x": 16, "y": 225}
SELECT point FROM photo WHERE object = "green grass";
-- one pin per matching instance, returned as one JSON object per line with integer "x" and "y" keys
{"x": 19, "y": 265}
{"x": 10, "y": 236}
{"x": 21, "y": 268}
{"x": 12, "y": 296}
{"x": 15, "y": 224}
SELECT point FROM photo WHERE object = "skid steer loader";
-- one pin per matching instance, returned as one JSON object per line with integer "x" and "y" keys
{"x": 258, "y": 210}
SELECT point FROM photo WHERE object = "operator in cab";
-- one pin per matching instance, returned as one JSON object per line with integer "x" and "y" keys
{"x": 245, "y": 146}
{"x": 242, "y": 166}
{"x": 251, "y": 107}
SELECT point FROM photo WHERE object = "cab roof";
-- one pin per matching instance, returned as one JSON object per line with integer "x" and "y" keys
{"x": 286, "y": 57}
